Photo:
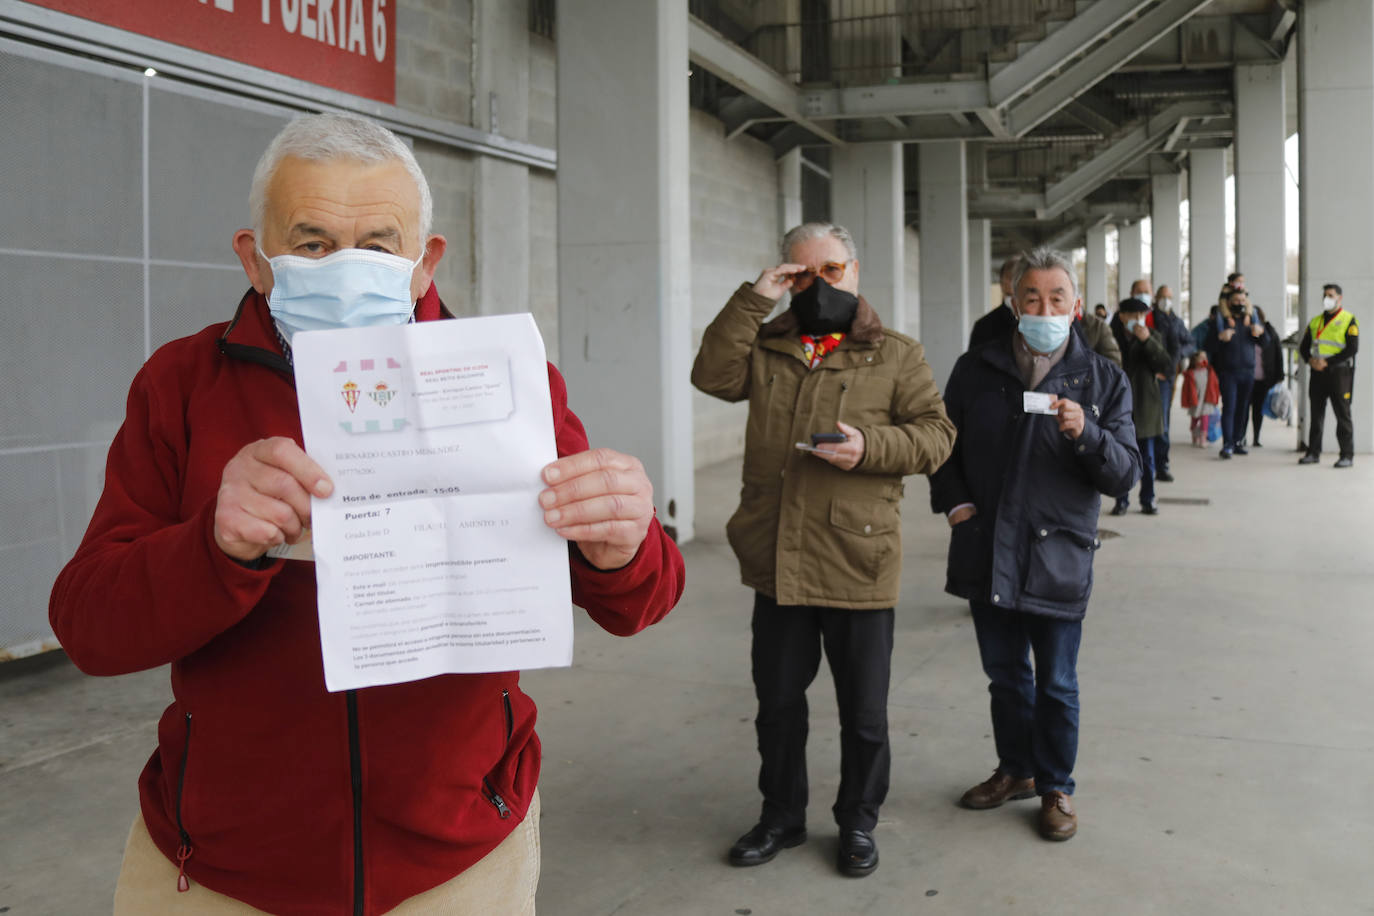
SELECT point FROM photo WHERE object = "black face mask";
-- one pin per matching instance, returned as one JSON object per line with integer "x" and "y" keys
{"x": 823, "y": 309}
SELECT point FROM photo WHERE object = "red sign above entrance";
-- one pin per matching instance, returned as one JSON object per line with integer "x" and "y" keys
{"x": 348, "y": 45}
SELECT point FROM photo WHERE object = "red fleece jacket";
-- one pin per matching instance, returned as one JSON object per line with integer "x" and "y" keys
{"x": 277, "y": 792}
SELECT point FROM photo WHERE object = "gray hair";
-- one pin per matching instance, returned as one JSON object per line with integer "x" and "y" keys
{"x": 336, "y": 136}
{"x": 1045, "y": 258}
{"x": 819, "y": 230}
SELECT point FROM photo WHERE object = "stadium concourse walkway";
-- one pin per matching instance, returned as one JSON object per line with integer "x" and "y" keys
{"x": 1226, "y": 761}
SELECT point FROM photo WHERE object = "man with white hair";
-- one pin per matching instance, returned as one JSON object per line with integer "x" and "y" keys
{"x": 267, "y": 792}
{"x": 1044, "y": 429}
{"x": 840, "y": 409}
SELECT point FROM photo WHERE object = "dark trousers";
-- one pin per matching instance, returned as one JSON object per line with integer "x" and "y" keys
{"x": 1258, "y": 395}
{"x": 1235, "y": 403}
{"x": 1034, "y": 714}
{"x": 786, "y": 656}
{"x": 1166, "y": 397}
{"x": 1148, "y": 463}
{"x": 1334, "y": 384}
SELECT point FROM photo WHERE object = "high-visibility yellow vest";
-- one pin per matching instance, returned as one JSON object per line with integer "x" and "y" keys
{"x": 1329, "y": 340}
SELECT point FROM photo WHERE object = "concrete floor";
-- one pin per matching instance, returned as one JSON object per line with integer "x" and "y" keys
{"x": 1226, "y": 761}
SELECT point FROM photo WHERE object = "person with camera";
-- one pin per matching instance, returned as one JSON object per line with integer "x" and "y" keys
{"x": 1230, "y": 346}
{"x": 818, "y": 528}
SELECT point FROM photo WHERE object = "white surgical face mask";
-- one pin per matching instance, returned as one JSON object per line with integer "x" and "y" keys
{"x": 1166, "y": 303}
{"x": 351, "y": 288}
{"x": 1329, "y": 303}
{"x": 1143, "y": 297}
{"x": 1044, "y": 333}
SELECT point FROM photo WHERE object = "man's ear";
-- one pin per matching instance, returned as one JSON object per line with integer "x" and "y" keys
{"x": 259, "y": 274}
{"x": 435, "y": 246}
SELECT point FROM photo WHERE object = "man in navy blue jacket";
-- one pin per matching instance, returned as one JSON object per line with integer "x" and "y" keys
{"x": 1044, "y": 429}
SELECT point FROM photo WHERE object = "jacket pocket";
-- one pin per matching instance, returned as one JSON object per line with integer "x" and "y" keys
{"x": 867, "y": 532}
{"x": 752, "y": 531}
{"x": 970, "y": 556}
{"x": 492, "y": 782}
{"x": 185, "y": 849}
{"x": 1060, "y": 566}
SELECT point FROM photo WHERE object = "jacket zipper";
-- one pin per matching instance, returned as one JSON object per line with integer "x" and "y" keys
{"x": 185, "y": 850}
{"x": 355, "y": 766}
{"x": 492, "y": 795}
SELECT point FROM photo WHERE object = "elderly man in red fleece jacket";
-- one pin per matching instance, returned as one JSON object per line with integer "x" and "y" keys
{"x": 266, "y": 792}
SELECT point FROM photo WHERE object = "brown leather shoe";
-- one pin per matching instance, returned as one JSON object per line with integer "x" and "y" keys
{"x": 1057, "y": 820}
{"x": 995, "y": 790}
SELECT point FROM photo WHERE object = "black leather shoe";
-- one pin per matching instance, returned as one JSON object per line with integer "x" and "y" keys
{"x": 763, "y": 843}
{"x": 1164, "y": 476}
{"x": 1119, "y": 508}
{"x": 858, "y": 853}
{"x": 1225, "y": 454}
{"x": 1150, "y": 509}
{"x": 1242, "y": 450}
{"x": 1344, "y": 463}
{"x": 1309, "y": 458}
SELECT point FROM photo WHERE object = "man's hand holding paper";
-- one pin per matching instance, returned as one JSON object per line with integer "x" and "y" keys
{"x": 602, "y": 500}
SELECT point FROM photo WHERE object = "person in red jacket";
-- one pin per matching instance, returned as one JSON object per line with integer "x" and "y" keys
{"x": 265, "y": 789}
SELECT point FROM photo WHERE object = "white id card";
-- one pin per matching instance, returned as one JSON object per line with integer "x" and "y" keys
{"x": 1038, "y": 402}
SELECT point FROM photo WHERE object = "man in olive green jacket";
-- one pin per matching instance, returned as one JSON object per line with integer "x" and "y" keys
{"x": 818, "y": 529}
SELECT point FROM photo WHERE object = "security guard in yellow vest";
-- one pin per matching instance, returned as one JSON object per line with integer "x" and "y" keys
{"x": 1329, "y": 348}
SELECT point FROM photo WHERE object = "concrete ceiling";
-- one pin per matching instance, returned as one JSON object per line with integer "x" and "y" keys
{"x": 1070, "y": 113}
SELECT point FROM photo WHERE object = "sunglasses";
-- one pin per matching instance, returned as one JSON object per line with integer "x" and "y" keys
{"x": 831, "y": 272}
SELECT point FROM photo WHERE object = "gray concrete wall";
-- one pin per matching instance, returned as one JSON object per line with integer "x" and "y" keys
{"x": 734, "y": 236}
{"x": 498, "y": 259}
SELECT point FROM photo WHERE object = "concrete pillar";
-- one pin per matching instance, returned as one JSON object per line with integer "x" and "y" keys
{"x": 1095, "y": 290}
{"x": 1261, "y": 247}
{"x": 1166, "y": 250}
{"x": 944, "y": 255}
{"x": 624, "y": 230}
{"x": 1129, "y": 246}
{"x": 789, "y": 191}
{"x": 980, "y": 268}
{"x": 501, "y": 189}
{"x": 1206, "y": 229}
{"x": 1336, "y": 131}
{"x": 866, "y": 197}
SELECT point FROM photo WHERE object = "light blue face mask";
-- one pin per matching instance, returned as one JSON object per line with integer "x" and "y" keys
{"x": 1044, "y": 333}
{"x": 351, "y": 288}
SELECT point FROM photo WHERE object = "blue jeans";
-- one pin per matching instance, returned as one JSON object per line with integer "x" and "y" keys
{"x": 1235, "y": 401}
{"x": 1147, "y": 474}
{"x": 1166, "y": 396}
{"x": 1034, "y": 716}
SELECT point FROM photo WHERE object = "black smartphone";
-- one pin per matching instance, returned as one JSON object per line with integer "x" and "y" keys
{"x": 819, "y": 438}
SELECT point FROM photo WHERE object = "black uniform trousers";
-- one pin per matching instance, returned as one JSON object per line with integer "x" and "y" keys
{"x": 1333, "y": 384}
{"x": 786, "y": 656}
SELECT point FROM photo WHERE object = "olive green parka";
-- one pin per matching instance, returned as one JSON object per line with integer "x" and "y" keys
{"x": 806, "y": 532}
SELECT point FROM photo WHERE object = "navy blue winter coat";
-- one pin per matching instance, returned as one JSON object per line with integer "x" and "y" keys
{"x": 1038, "y": 494}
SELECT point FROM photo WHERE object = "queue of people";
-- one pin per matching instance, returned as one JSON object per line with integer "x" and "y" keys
{"x": 427, "y": 791}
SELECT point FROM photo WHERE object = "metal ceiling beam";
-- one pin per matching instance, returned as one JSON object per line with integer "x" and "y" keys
{"x": 992, "y": 119}
{"x": 1091, "y": 115}
{"x": 1045, "y": 57}
{"x": 727, "y": 60}
{"x": 896, "y": 99}
{"x": 1086, "y": 71}
{"x": 743, "y": 112}
{"x": 1134, "y": 144}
